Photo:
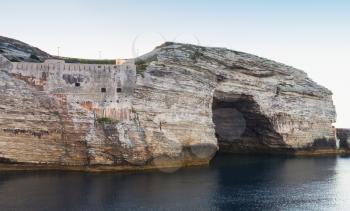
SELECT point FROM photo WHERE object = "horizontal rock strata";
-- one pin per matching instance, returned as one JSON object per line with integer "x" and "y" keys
{"x": 187, "y": 103}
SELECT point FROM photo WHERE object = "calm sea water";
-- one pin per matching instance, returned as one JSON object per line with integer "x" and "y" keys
{"x": 230, "y": 183}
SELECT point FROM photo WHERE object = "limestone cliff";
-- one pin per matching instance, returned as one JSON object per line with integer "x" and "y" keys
{"x": 251, "y": 104}
{"x": 187, "y": 103}
{"x": 16, "y": 50}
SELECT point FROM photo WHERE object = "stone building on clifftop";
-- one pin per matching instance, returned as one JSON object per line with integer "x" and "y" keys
{"x": 102, "y": 88}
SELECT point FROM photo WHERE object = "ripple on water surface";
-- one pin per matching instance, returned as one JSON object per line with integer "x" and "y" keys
{"x": 230, "y": 182}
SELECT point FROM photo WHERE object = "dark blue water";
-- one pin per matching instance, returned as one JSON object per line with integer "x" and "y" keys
{"x": 230, "y": 183}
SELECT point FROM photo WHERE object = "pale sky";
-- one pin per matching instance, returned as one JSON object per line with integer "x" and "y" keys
{"x": 311, "y": 35}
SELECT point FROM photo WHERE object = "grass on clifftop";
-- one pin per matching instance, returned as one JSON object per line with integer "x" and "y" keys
{"x": 106, "y": 120}
{"x": 87, "y": 61}
{"x": 141, "y": 64}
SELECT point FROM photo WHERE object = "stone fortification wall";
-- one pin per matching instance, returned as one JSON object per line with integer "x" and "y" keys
{"x": 102, "y": 88}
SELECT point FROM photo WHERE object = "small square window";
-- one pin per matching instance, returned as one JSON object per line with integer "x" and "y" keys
{"x": 119, "y": 89}
{"x": 103, "y": 89}
{"x": 77, "y": 84}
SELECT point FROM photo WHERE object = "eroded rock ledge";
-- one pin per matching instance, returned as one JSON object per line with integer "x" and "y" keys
{"x": 185, "y": 103}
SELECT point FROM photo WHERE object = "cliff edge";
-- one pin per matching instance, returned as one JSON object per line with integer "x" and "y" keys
{"x": 182, "y": 104}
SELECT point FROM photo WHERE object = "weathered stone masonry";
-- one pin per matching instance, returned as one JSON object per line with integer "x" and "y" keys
{"x": 49, "y": 112}
{"x": 102, "y": 88}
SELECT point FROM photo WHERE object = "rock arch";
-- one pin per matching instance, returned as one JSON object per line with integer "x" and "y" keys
{"x": 241, "y": 127}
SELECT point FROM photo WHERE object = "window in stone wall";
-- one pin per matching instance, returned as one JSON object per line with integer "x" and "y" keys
{"x": 119, "y": 90}
{"x": 77, "y": 84}
{"x": 103, "y": 89}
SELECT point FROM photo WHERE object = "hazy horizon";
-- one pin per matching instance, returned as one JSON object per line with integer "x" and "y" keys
{"x": 312, "y": 36}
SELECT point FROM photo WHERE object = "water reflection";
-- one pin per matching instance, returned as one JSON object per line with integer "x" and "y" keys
{"x": 251, "y": 183}
{"x": 242, "y": 183}
{"x": 83, "y": 191}
{"x": 342, "y": 184}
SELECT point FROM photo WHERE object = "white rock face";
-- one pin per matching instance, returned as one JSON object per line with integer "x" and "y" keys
{"x": 279, "y": 109}
{"x": 188, "y": 102}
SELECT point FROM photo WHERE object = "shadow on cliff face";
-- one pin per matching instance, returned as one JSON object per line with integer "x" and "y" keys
{"x": 344, "y": 138}
{"x": 241, "y": 128}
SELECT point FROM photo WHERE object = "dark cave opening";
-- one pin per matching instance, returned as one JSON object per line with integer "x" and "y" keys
{"x": 241, "y": 128}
